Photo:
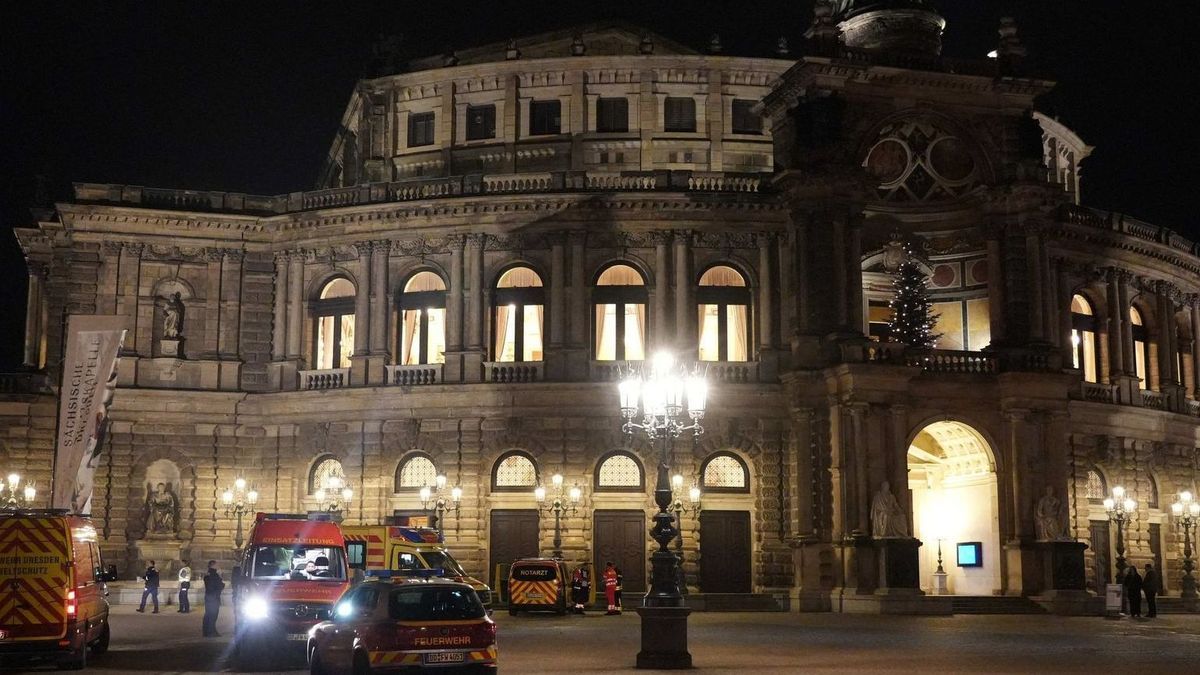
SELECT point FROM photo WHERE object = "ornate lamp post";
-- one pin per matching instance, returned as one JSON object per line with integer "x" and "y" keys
{"x": 18, "y": 497}
{"x": 558, "y": 505}
{"x": 679, "y": 507}
{"x": 1120, "y": 509}
{"x": 435, "y": 499}
{"x": 239, "y": 501}
{"x": 655, "y": 405}
{"x": 334, "y": 495}
{"x": 1187, "y": 513}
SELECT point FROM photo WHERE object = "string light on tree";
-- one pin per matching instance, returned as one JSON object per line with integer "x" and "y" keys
{"x": 912, "y": 312}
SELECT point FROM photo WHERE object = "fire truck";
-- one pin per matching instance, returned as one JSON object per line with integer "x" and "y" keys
{"x": 399, "y": 548}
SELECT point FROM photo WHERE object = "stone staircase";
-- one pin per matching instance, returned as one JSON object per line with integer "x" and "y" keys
{"x": 995, "y": 604}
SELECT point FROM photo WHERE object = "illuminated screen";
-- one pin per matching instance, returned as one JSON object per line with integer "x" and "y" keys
{"x": 970, "y": 554}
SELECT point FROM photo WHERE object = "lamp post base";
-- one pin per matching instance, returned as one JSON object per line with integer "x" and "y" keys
{"x": 664, "y": 638}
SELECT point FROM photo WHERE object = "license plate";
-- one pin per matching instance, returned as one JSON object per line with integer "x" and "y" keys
{"x": 445, "y": 657}
{"x": 534, "y": 596}
{"x": 297, "y": 636}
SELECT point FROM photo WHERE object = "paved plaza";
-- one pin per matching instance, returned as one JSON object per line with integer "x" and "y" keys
{"x": 744, "y": 642}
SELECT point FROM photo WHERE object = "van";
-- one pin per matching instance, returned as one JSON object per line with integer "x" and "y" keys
{"x": 373, "y": 548}
{"x": 537, "y": 584}
{"x": 289, "y": 575}
{"x": 53, "y": 597}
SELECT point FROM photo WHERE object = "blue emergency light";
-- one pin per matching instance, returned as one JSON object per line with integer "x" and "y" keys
{"x": 417, "y": 535}
{"x": 408, "y": 573}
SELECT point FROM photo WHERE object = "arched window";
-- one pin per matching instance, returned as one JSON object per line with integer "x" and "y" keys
{"x": 1152, "y": 498}
{"x": 619, "y": 472}
{"x": 1141, "y": 346}
{"x": 724, "y": 310}
{"x": 1096, "y": 489}
{"x": 519, "y": 303}
{"x": 1083, "y": 337}
{"x": 415, "y": 472}
{"x": 333, "y": 325}
{"x": 422, "y": 334}
{"x": 514, "y": 471}
{"x": 620, "y": 309}
{"x": 326, "y": 473}
{"x": 724, "y": 472}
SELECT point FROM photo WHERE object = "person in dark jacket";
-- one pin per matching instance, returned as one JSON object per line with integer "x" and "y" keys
{"x": 1150, "y": 588}
{"x": 185, "y": 583}
{"x": 620, "y": 583}
{"x": 151, "y": 589}
{"x": 1133, "y": 590}
{"x": 212, "y": 599}
{"x": 580, "y": 588}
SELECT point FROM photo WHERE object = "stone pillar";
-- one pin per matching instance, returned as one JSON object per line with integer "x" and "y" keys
{"x": 454, "y": 312}
{"x": 128, "y": 281}
{"x": 685, "y": 309}
{"x": 1166, "y": 354}
{"x": 1065, "y": 292}
{"x": 476, "y": 347}
{"x": 1116, "y": 321}
{"x": 803, "y": 522}
{"x": 1194, "y": 311}
{"x": 380, "y": 313}
{"x": 229, "y": 334}
{"x": 1018, "y": 554}
{"x": 767, "y": 357}
{"x": 1036, "y": 278}
{"x": 279, "y": 328}
{"x": 787, "y": 306}
{"x": 860, "y": 458}
{"x": 212, "y": 306}
{"x": 1127, "y": 346}
{"x": 555, "y": 353}
{"x": 662, "y": 286}
{"x": 995, "y": 272}
{"x": 33, "y": 316}
{"x": 295, "y": 305}
{"x": 362, "y": 316}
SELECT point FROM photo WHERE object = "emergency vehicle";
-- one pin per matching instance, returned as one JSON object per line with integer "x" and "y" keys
{"x": 289, "y": 575}
{"x": 537, "y": 584}
{"x": 391, "y": 547}
{"x": 405, "y": 622}
{"x": 53, "y": 598}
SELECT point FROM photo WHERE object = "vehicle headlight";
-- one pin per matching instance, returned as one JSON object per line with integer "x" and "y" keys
{"x": 344, "y": 610}
{"x": 256, "y": 608}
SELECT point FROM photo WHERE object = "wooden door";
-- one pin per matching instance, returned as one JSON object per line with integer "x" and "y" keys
{"x": 620, "y": 537}
{"x": 724, "y": 551}
{"x": 1101, "y": 568}
{"x": 514, "y": 534}
{"x": 1156, "y": 553}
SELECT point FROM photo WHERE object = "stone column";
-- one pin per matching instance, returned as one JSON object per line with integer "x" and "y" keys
{"x": 555, "y": 353}
{"x": 33, "y": 316}
{"x": 786, "y": 303}
{"x": 1116, "y": 322}
{"x": 803, "y": 522}
{"x": 1065, "y": 292}
{"x": 578, "y": 351}
{"x": 1194, "y": 311}
{"x": 858, "y": 429}
{"x": 476, "y": 303}
{"x": 1036, "y": 278}
{"x": 129, "y": 281}
{"x": 380, "y": 313}
{"x": 279, "y": 328}
{"x": 454, "y": 312}
{"x": 685, "y": 309}
{"x": 766, "y": 314}
{"x": 995, "y": 272}
{"x": 1166, "y": 355}
{"x": 229, "y": 335}
{"x": 295, "y": 305}
{"x": 214, "y": 257}
{"x": 362, "y": 304}
{"x": 662, "y": 285}
{"x": 1127, "y": 345}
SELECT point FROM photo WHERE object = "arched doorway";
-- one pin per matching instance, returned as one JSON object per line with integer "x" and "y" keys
{"x": 952, "y": 475}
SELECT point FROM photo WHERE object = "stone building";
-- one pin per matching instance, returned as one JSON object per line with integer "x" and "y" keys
{"x": 499, "y": 232}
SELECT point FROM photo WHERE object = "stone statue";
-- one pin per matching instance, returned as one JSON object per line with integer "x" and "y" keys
{"x": 172, "y": 317}
{"x": 1048, "y": 517}
{"x": 162, "y": 507}
{"x": 887, "y": 516}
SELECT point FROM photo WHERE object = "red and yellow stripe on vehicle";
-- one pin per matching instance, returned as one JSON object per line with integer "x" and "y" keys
{"x": 376, "y": 560}
{"x": 34, "y": 554}
{"x": 519, "y": 591}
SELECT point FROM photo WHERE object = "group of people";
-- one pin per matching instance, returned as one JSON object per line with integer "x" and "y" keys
{"x": 213, "y": 585}
{"x": 1136, "y": 585}
{"x": 581, "y": 587}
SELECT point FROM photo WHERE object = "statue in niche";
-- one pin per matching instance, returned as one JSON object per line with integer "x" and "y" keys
{"x": 173, "y": 317}
{"x": 887, "y": 516}
{"x": 1048, "y": 517}
{"x": 162, "y": 509}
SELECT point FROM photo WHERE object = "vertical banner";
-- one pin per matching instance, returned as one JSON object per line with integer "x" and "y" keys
{"x": 89, "y": 378}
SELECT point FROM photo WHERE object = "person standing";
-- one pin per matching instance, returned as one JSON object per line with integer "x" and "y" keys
{"x": 185, "y": 583}
{"x": 1150, "y": 588}
{"x": 579, "y": 590}
{"x": 1133, "y": 590}
{"x": 212, "y": 599}
{"x": 620, "y": 583}
{"x": 610, "y": 588}
{"x": 151, "y": 588}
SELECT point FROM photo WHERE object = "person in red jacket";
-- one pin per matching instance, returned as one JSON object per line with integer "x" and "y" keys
{"x": 610, "y": 588}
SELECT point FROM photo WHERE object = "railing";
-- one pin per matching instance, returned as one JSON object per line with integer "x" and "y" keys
{"x": 1153, "y": 400}
{"x": 1193, "y": 407}
{"x": 600, "y": 180}
{"x": 518, "y": 182}
{"x": 329, "y": 378}
{"x": 526, "y": 371}
{"x": 1119, "y": 222}
{"x": 1098, "y": 393}
{"x": 412, "y": 376}
{"x": 949, "y": 361}
{"x": 732, "y": 372}
{"x": 721, "y": 182}
{"x": 611, "y": 371}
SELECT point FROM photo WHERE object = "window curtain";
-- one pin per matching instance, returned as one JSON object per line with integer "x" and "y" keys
{"x": 635, "y": 327}
{"x": 506, "y": 343}
{"x": 710, "y": 337}
{"x": 410, "y": 324}
{"x": 346, "y": 341}
{"x": 325, "y": 342}
{"x": 1139, "y": 357}
{"x": 533, "y": 333}
{"x": 436, "y": 344}
{"x": 606, "y": 332}
{"x": 737, "y": 326}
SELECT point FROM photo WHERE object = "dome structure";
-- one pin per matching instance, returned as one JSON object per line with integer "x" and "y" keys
{"x": 911, "y": 27}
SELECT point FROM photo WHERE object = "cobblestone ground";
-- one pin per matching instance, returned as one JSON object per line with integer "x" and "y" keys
{"x": 759, "y": 643}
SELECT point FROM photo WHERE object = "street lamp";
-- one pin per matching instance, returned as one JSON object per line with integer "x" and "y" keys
{"x": 558, "y": 505}
{"x": 18, "y": 497}
{"x": 1120, "y": 510}
{"x": 664, "y": 404}
{"x": 435, "y": 499}
{"x": 334, "y": 495}
{"x": 1187, "y": 513}
{"x": 239, "y": 501}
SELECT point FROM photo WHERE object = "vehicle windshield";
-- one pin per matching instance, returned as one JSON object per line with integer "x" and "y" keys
{"x": 434, "y": 603}
{"x": 444, "y": 560}
{"x": 298, "y": 562}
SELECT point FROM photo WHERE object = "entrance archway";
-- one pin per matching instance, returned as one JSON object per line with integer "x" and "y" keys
{"x": 952, "y": 475}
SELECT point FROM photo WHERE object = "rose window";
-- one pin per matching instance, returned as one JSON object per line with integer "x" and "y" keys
{"x": 916, "y": 161}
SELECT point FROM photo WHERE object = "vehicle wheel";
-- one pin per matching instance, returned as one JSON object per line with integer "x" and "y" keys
{"x": 77, "y": 661}
{"x": 512, "y": 611}
{"x": 362, "y": 665}
{"x": 561, "y": 608}
{"x": 101, "y": 644}
{"x": 315, "y": 667}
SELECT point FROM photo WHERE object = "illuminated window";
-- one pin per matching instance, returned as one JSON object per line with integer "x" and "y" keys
{"x": 619, "y": 302}
{"x": 725, "y": 472}
{"x": 519, "y": 304}
{"x": 1083, "y": 337}
{"x": 1096, "y": 490}
{"x": 415, "y": 473}
{"x": 422, "y": 334}
{"x": 879, "y": 320}
{"x": 1141, "y": 347}
{"x": 620, "y": 471}
{"x": 333, "y": 312}
{"x": 326, "y": 472}
{"x": 724, "y": 307}
{"x": 514, "y": 470}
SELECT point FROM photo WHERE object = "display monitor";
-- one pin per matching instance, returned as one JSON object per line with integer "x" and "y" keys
{"x": 970, "y": 554}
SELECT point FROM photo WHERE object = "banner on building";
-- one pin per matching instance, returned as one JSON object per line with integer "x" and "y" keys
{"x": 89, "y": 378}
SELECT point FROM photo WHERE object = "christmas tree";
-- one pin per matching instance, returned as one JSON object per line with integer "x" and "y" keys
{"x": 912, "y": 313}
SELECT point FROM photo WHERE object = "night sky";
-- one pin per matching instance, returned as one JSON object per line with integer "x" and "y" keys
{"x": 246, "y": 96}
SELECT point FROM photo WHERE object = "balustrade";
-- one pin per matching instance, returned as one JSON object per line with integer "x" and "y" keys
{"x": 950, "y": 361}
{"x": 412, "y": 376}
{"x": 1153, "y": 400}
{"x": 329, "y": 378}
{"x": 527, "y": 371}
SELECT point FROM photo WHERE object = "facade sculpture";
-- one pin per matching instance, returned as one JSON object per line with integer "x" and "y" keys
{"x": 492, "y": 241}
